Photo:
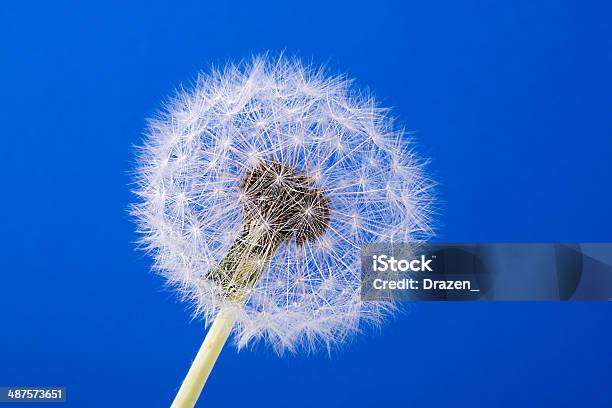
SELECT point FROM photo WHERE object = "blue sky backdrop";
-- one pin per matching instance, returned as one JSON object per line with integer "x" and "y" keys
{"x": 510, "y": 100}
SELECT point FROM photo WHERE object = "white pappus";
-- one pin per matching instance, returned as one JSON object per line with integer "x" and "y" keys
{"x": 274, "y": 168}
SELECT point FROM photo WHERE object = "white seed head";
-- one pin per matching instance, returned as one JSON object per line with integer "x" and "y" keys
{"x": 274, "y": 165}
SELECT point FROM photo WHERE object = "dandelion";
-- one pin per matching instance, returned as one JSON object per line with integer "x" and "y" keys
{"x": 258, "y": 188}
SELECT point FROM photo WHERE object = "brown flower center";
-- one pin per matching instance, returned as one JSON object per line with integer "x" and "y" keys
{"x": 280, "y": 204}
{"x": 285, "y": 201}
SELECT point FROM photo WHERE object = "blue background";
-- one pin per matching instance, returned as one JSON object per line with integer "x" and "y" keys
{"x": 511, "y": 101}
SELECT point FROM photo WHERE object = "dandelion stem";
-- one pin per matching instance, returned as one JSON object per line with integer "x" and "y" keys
{"x": 204, "y": 361}
{"x": 235, "y": 275}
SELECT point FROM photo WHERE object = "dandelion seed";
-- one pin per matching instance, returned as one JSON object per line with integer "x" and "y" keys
{"x": 258, "y": 188}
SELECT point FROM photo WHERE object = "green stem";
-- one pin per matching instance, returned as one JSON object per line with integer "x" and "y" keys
{"x": 235, "y": 276}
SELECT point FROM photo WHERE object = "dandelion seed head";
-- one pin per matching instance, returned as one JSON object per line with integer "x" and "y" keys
{"x": 305, "y": 163}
